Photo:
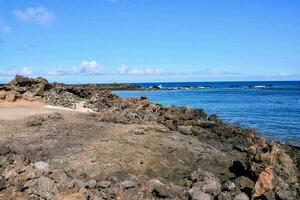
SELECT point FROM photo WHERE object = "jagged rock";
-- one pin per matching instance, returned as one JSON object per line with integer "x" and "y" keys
{"x": 28, "y": 96}
{"x": 12, "y": 96}
{"x": 172, "y": 125}
{"x": 224, "y": 196}
{"x": 206, "y": 182}
{"x": 158, "y": 189}
{"x": 103, "y": 184}
{"x": 3, "y": 183}
{"x": 91, "y": 184}
{"x": 207, "y": 124}
{"x": 241, "y": 196}
{"x": 129, "y": 184}
{"x": 19, "y": 163}
{"x": 265, "y": 183}
{"x": 197, "y": 131}
{"x": 35, "y": 120}
{"x": 199, "y": 195}
{"x": 186, "y": 130}
{"x": 53, "y": 116}
{"x": 3, "y": 160}
{"x": 229, "y": 186}
{"x": 274, "y": 169}
{"x": 42, "y": 187}
{"x": 3, "y": 95}
{"x": 41, "y": 167}
{"x": 65, "y": 182}
{"x": 21, "y": 81}
{"x": 215, "y": 119}
{"x": 243, "y": 182}
{"x": 268, "y": 164}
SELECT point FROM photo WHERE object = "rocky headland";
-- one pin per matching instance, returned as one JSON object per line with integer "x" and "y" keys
{"x": 133, "y": 149}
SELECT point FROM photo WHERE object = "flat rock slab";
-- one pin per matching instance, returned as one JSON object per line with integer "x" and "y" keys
{"x": 80, "y": 144}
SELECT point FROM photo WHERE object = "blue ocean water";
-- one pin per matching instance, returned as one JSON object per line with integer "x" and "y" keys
{"x": 271, "y": 107}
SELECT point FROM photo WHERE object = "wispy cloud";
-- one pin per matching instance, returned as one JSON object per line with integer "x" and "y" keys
{"x": 124, "y": 70}
{"x": 4, "y": 28}
{"x": 216, "y": 71}
{"x": 39, "y": 15}
{"x": 85, "y": 68}
{"x": 12, "y": 71}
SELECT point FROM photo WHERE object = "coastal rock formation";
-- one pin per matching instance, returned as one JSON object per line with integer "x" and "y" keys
{"x": 135, "y": 149}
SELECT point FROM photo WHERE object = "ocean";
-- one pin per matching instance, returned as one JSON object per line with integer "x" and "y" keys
{"x": 271, "y": 107}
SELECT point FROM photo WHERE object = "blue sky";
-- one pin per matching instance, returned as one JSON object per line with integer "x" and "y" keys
{"x": 150, "y": 40}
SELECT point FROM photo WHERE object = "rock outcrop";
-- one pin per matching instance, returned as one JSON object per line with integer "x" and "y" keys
{"x": 253, "y": 169}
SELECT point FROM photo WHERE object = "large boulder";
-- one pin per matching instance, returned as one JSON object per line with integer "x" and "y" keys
{"x": 29, "y": 87}
{"x": 21, "y": 81}
{"x": 12, "y": 96}
{"x": 275, "y": 171}
{"x": 158, "y": 189}
{"x": 42, "y": 187}
{"x": 205, "y": 182}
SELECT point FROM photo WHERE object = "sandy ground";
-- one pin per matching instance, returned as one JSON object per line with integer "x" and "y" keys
{"x": 22, "y": 109}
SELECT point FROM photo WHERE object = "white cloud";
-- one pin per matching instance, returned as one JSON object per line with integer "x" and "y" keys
{"x": 26, "y": 71}
{"x": 88, "y": 67}
{"x": 215, "y": 71}
{"x": 55, "y": 72}
{"x": 124, "y": 70}
{"x": 12, "y": 71}
{"x": 85, "y": 68}
{"x": 39, "y": 15}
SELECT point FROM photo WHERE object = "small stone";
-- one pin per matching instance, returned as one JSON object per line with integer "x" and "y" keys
{"x": 229, "y": 185}
{"x": 54, "y": 116}
{"x": 3, "y": 160}
{"x": 215, "y": 119}
{"x": 129, "y": 184}
{"x": 207, "y": 124}
{"x": 3, "y": 183}
{"x": 91, "y": 184}
{"x": 206, "y": 182}
{"x": 2, "y": 95}
{"x": 224, "y": 196}
{"x": 172, "y": 125}
{"x": 41, "y": 167}
{"x": 159, "y": 189}
{"x": 35, "y": 121}
{"x": 104, "y": 184}
{"x": 199, "y": 195}
{"x": 241, "y": 196}
{"x": 243, "y": 182}
{"x": 65, "y": 182}
{"x": 186, "y": 130}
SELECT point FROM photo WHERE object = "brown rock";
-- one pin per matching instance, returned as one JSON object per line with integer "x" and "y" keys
{"x": 12, "y": 96}
{"x": 243, "y": 182}
{"x": 264, "y": 183}
{"x": 2, "y": 95}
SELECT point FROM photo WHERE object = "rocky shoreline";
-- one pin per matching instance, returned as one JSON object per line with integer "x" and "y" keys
{"x": 195, "y": 156}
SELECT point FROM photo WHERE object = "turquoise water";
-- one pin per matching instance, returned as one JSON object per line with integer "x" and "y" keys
{"x": 271, "y": 107}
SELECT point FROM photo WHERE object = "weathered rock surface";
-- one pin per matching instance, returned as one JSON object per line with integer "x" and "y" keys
{"x": 135, "y": 149}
